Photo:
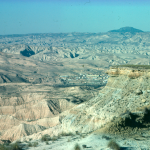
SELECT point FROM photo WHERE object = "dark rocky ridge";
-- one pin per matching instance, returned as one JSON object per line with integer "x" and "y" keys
{"x": 27, "y": 52}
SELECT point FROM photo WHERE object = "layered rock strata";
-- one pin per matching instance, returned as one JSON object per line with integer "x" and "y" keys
{"x": 120, "y": 94}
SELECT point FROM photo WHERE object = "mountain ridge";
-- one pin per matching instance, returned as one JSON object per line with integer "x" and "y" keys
{"x": 127, "y": 29}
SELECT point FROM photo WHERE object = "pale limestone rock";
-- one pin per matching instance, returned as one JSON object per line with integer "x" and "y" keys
{"x": 7, "y": 122}
{"x": 143, "y": 100}
{"x": 21, "y": 131}
{"x": 46, "y": 122}
{"x": 138, "y": 92}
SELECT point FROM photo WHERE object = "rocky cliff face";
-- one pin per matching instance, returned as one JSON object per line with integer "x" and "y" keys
{"x": 128, "y": 89}
{"x": 121, "y": 93}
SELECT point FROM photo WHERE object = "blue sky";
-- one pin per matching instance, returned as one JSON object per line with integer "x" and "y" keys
{"x": 61, "y": 16}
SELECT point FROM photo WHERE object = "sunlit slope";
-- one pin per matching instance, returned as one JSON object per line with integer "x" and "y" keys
{"x": 29, "y": 97}
{"x": 122, "y": 94}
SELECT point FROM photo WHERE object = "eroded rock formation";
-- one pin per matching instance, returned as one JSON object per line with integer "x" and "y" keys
{"x": 119, "y": 95}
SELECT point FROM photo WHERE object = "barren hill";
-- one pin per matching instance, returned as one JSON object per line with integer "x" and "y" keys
{"x": 125, "y": 96}
{"x": 54, "y": 83}
{"x": 110, "y": 48}
{"x": 33, "y": 94}
{"x": 128, "y": 89}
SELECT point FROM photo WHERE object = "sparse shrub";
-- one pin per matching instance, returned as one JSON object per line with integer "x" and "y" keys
{"x": 63, "y": 134}
{"x": 30, "y": 144}
{"x": 45, "y": 138}
{"x": 59, "y": 136}
{"x": 84, "y": 146}
{"x": 113, "y": 145}
{"x": 35, "y": 144}
{"x": 16, "y": 146}
{"x": 125, "y": 143}
{"x": 77, "y": 132}
{"x": 54, "y": 138}
{"x": 47, "y": 143}
{"x": 2, "y": 147}
{"x": 77, "y": 147}
{"x": 106, "y": 137}
{"x": 69, "y": 140}
{"x": 6, "y": 144}
{"x": 83, "y": 136}
{"x": 67, "y": 134}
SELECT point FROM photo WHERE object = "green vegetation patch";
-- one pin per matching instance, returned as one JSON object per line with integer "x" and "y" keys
{"x": 46, "y": 137}
{"x": 30, "y": 144}
{"x": 133, "y": 66}
{"x": 67, "y": 134}
{"x": 113, "y": 145}
{"x": 35, "y": 144}
{"x": 2, "y": 147}
{"x": 77, "y": 147}
{"x": 14, "y": 146}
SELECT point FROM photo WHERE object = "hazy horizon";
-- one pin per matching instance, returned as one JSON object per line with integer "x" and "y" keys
{"x": 63, "y": 16}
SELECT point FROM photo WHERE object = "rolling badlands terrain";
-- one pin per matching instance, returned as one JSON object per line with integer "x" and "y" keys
{"x": 57, "y": 83}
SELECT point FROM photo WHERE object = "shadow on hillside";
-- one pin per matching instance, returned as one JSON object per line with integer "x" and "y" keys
{"x": 126, "y": 148}
{"x": 135, "y": 120}
{"x": 129, "y": 123}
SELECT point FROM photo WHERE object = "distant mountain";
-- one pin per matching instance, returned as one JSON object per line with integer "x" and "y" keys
{"x": 126, "y": 29}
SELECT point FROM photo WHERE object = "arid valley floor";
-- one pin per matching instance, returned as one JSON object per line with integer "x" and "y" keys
{"x": 62, "y": 87}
